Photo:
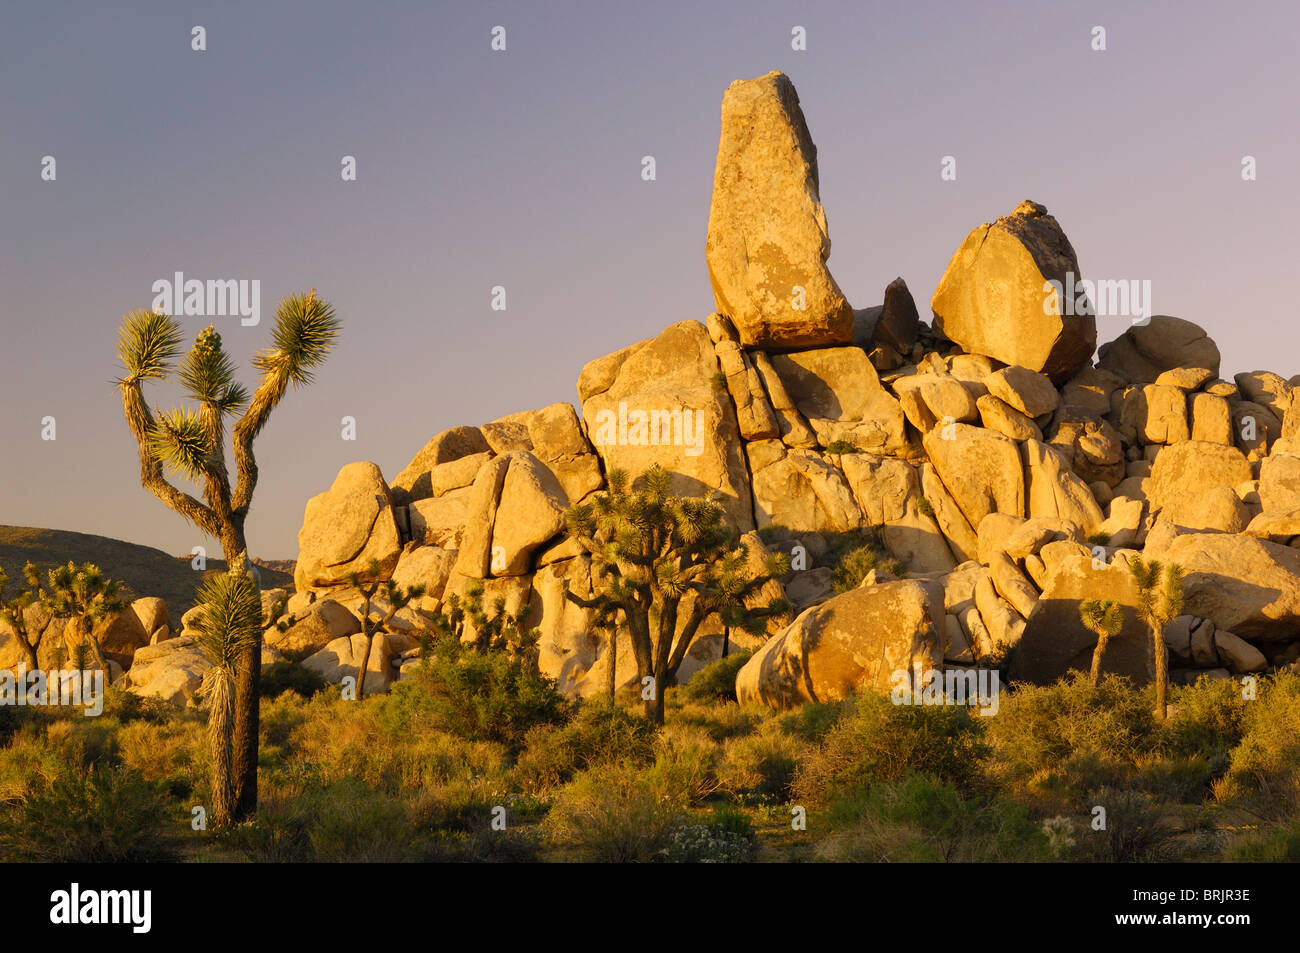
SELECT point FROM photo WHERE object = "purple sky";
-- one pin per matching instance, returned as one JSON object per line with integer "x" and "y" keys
{"x": 522, "y": 169}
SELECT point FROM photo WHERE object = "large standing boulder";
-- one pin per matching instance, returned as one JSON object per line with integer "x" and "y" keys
{"x": 345, "y": 527}
{"x": 1145, "y": 351}
{"x": 993, "y": 298}
{"x": 663, "y": 406}
{"x": 853, "y": 642}
{"x": 1055, "y": 640}
{"x": 1052, "y": 489}
{"x": 767, "y": 230}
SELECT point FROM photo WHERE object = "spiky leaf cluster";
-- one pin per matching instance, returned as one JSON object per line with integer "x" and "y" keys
{"x": 231, "y": 619}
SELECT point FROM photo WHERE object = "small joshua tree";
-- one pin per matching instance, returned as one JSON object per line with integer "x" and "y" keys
{"x": 394, "y": 595}
{"x": 84, "y": 594}
{"x": 13, "y": 609}
{"x": 650, "y": 551}
{"x": 1104, "y": 619}
{"x": 230, "y": 622}
{"x": 192, "y": 444}
{"x": 1160, "y": 599}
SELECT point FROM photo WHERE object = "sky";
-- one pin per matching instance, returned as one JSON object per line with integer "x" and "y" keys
{"x": 521, "y": 168}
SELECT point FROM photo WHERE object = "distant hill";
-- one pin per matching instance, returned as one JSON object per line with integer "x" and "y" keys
{"x": 147, "y": 571}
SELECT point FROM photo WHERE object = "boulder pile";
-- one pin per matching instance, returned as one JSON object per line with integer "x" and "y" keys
{"x": 1010, "y": 466}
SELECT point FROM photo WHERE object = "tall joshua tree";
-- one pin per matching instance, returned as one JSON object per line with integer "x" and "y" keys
{"x": 230, "y": 622}
{"x": 193, "y": 444}
{"x": 1104, "y": 618}
{"x": 1160, "y": 599}
{"x": 649, "y": 552}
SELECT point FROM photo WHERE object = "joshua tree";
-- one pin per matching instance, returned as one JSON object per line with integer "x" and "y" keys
{"x": 1104, "y": 619}
{"x": 396, "y": 597}
{"x": 192, "y": 444}
{"x": 86, "y": 595}
{"x": 230, "y": 622}
{"x": 12, "y": 611}
{"x": 1160, "y": 599}
{"x": 650, "y": 551}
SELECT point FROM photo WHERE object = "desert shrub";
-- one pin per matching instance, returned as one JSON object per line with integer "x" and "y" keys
{"x": 854, "y": 566}
{"x": 610, "y": 814}
{"x": 1054, "y": 743}
{"x": 600, "y": 733}
{"x": 1207, "y": 721}
{"x": 343, "y": 820}
{"x": 1137, "y": 829}
{"x": 1274, "y": 844}
{"x": 125, "y": 707}
{"x": 762, "y": 764}
{"x": 685, "y": 769}
{"x": 109, "y": 815}
{"x": 1264, "y": 769}
{"x": 1173, "y": 779}
{"x": 281, "y": 677}
{"x": 881, "y": 741}
{"x": 173, "y": 752}
{"x": 723, "y": 721}
{"x": 479, "y": 695}
{"x": 27, "y": 764}
{"x": 921, "y": 819}
{"x": 716, "y": 682}
{"x": 812, "y": 721}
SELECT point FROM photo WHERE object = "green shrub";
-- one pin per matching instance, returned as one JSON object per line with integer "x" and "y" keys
{"x": 920, "y": 819}
{"x": 685, "y": 769}
{"x": 1264, "y": 769}
{"x": 1207, "y": 721}
{"x": 883, "y": 742}
{"x": 762, "y": 764}
{"x": 1052, "y": 744}
{"x": 479, "y": 695}
{"x": 610, "y": 814}
{"x": 109, "y": 815}
{"x": 281, "y": 677}
{"x": 716, "y": 682}
{"x": 813, "y": 720}
{"x": 600, "y": 733}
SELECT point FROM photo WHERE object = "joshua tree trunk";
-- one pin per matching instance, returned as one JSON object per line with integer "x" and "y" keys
{"x": 1095, "y": 675}
{"x": 1162, "y": 671}
{"x": 247, "y": 701}
{"x": 87, "y": 630}
{"x": 611, "y": 680}
{"x": 220, "y": 716}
